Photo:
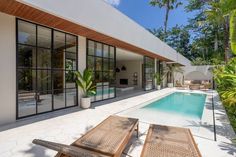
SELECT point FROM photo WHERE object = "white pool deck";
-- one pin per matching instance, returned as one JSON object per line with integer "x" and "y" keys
{"x": 67, "y": 125}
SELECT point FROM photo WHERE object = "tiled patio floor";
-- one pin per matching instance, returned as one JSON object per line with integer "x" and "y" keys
{"x": 68, "y": 125}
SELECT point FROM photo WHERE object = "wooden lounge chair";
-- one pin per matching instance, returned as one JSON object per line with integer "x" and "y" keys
{"x": 166, "y": 141}
{"x": 109, "y": 138}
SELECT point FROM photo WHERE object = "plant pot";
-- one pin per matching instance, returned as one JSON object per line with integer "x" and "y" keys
{"x": 85, "y": 103}
{"x": 158, "y": 87}
{"x": 170, "y": 85}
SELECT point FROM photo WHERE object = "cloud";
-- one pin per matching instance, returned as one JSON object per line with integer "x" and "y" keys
{"x": 113, "y": 2}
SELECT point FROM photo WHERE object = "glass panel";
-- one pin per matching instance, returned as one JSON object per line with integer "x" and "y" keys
{"x": 26, "y": 56}
{"x": 98, "y": 49}
{"x": 44, "y": 58}
{"x": 105, "y": 64}
{"x": 105, "y": 77}
{"x": 44, "y": 80}
{"x": 98, "y": 64}
{"x": 99, "y": 93}
{"x": 112, "y": 52}
{"x": 105, "y": 92}
{"x": 90, "y": 62}
{"x": 98, "y": 77}
{"x": 26, "y": 104}
{"x": 70, "y": 61}
{"x": 26, "y": 33}
{"x": 26, "y": 80}
{"x": 105, "y": 51}
{"x": 58, "y": 79}
{"x": 71, "y": 97}
{"x": 58, "y": 59}
{"x": 44, "y": 37}
{"x": 45, "y": 103}
{"x": 70, "y": 81}
{"x": 59, "y": 41}
{"x": 71, "y": 43}
{"x": 111, "y": 66}
{"x": 111, "y": 92}
{"x": 149, "y": 69}
{"x": 91, "y": 47}
{"x": 59, "y": 99}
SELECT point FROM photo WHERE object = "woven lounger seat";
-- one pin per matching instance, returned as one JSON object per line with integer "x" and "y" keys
{"x": 109, "y": 138}
{"x": 166, "y": 141}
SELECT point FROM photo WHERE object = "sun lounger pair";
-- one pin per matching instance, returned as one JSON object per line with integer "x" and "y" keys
{"x": 110, "y": 137}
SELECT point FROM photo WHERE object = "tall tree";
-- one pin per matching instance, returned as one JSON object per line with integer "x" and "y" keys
{"x": 169, "y": 5}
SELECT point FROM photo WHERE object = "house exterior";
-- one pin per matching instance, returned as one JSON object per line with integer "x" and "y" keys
{"x": 43, "y": 42}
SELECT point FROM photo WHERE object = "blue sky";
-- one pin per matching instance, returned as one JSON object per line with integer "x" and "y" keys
{"x": 151, "y": 17}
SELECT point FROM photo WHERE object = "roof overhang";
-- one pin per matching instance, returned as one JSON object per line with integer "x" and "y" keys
{"x": 94, "y": 20}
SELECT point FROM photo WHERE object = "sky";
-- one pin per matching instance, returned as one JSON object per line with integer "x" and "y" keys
{"x": 151, "y": 17}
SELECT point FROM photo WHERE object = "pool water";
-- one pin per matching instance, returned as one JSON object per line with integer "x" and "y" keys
{"x": 185, "y": 104}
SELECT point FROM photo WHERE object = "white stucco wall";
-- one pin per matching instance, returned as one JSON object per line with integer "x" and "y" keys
{"x": 7, "y": 69}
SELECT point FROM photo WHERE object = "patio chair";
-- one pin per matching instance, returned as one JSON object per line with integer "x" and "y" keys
{"x": 109, "y": 138}
{"x": 167, "y": 141}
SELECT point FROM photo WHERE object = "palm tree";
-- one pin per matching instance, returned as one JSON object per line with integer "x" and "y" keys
{"x": 169, "y": 5}
{"x": 170, "y": 70}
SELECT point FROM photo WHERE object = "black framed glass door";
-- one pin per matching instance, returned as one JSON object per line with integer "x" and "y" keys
{"x": 46, "y": 61}
{"x": 101, "y": 59}
{"x": 149, "y": 69}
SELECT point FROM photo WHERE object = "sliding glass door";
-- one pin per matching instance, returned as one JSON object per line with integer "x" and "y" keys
{"x": 149, "y": 69}
{"x": 46, "y": 60}
{"x": 101, "y": 60}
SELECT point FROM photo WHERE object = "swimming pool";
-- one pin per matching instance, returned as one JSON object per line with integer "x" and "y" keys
{"x": 182, "y": 103}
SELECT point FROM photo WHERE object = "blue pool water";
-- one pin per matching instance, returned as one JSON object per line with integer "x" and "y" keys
{"x": 186, "y": 104}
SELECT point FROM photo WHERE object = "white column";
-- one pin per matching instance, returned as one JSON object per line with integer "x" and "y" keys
{"x": 155, "y": 71}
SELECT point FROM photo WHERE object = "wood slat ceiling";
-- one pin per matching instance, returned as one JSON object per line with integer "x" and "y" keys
{"x": 26, "y": 12}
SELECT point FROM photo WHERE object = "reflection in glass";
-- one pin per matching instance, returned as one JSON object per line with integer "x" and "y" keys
{"x": 91, "y": 47}
{"x": 58, "y": 59}
{"x": 59, "y": 41}
{"x": 90, "y": 62}
{"x": 111, "y": 66}
{"x": 44, "y": 58}
{"x": 105, "y": 51}
{"x": 98, "y": 77}
{"x": 98, "y": 64}
{"x": 112, "y": 52}
{"x": 105, "y": 64}
{"x": 70, "y": 81}
{"x": 98, "y": 93}
{"x": 44, "y": 80}
{"x": 98, "y": 49}
{"x": 71, "y": 97}
{"x": 105, "y": 92}
{"x": 59, "y": 99}
{"x": 26, "y": 33}
{"x": 26, "y": 56}
{"x": 44, "y": 37}
{"x": 70, "y": 43}
{"x": 58, "y": 79}
{"x": 45, "y": 103}
{"x": 111, "y": 92}
{"x": 26, "y": 80}
{"x": 70, "y": 61}
{"x": 26, "y": 104}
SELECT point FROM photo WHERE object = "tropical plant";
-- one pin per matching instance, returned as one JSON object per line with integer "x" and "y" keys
{"x": 225, "y": 77}
{"x": 169, "y": 5}
{"x": 158, "y": 78}
{"x": 170, "y": 70}
{"x": 84, "y": 81}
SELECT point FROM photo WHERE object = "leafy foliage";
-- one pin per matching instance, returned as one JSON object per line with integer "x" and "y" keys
{"x": 158, "y": 78}
{"x": 85, "y": 82}
{"x": 170, "y": 70}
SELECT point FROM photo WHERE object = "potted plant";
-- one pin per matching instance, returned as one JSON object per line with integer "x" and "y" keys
{"x": 86, "y": 84}
{"x": 158, "y": 79}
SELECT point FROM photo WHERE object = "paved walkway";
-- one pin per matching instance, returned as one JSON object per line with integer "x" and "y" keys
{"x": 68, "y": 125}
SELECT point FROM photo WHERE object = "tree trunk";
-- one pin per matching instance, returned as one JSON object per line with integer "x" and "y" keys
{"x": 226, "y": 38}
{"x": 166, "y": 19}
{"x": 216, "y": 45}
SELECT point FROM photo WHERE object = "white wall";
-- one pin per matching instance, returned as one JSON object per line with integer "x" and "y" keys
{"x": 7, "y": 69}
{"x": 81, "y": 59}
{"x": 198, "y": 72}
{"x": 131, "y": 68}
